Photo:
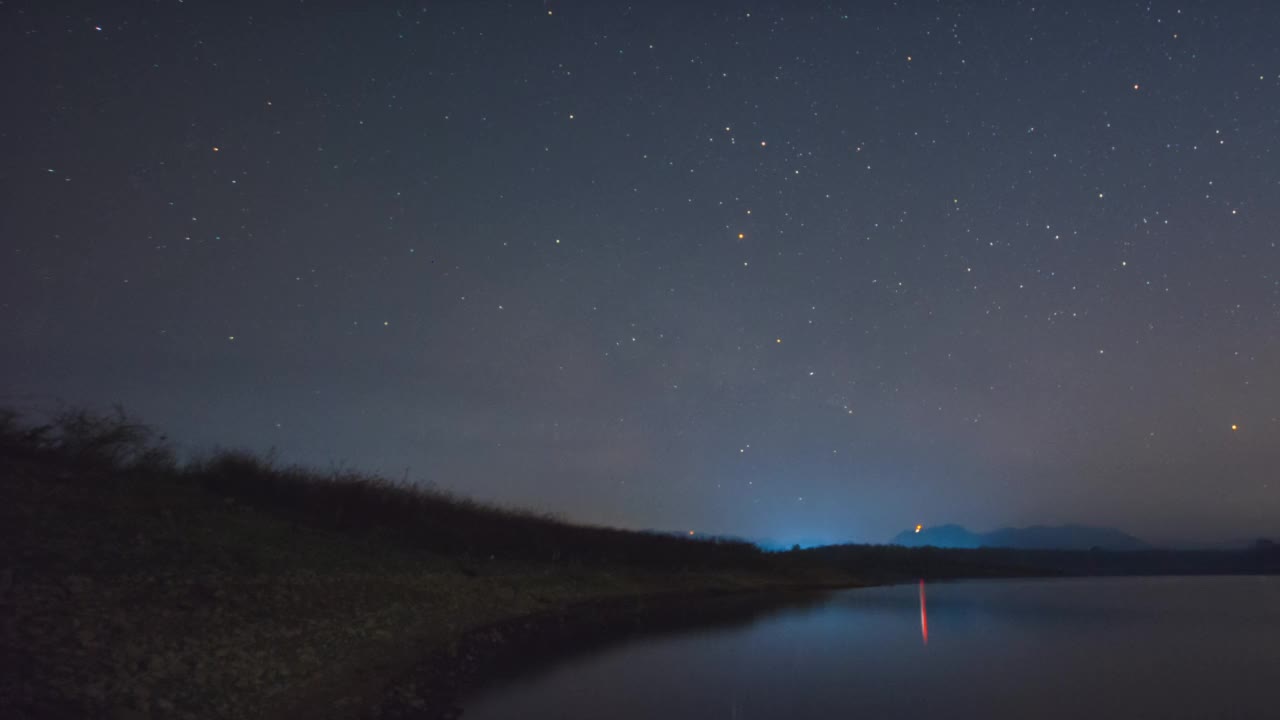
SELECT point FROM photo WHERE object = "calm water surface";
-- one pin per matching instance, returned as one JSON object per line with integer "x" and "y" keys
{"x": 1088, "y": 648}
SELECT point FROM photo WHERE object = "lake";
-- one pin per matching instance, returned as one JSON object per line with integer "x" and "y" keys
{"x": 1169, "y": 647}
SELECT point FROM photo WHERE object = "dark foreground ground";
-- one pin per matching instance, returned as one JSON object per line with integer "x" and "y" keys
{"x": 132, "y": 587}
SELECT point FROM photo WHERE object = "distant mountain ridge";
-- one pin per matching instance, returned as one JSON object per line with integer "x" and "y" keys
{"x": 1035, "y": 537}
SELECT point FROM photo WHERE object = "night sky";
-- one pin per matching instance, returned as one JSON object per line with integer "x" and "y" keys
{"x": 800, "y": 271}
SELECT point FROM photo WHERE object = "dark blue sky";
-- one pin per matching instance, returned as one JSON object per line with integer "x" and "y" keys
{"x": 800, "y": 270}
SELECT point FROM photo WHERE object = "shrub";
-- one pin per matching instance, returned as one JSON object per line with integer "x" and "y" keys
{"x": 87, "y": 438}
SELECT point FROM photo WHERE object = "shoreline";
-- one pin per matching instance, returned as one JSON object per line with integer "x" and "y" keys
{"x": 451, "y": 668}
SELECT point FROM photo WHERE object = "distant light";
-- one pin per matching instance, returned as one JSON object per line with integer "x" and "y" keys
{"x": 1234, "y": 427}
{"x": 741, "y": 235}
{"x": 215, "y": 148}
{"x": 690, "y": 532}
{"x": 919, "y": 528}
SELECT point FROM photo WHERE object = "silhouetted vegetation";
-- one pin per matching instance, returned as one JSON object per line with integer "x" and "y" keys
{"x": 355, "y": 502}
{"x": 359, "y": 502}
{"x": 85, "y": 439}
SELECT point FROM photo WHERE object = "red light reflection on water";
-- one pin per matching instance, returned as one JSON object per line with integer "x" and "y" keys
{"x": 924, "y": 616}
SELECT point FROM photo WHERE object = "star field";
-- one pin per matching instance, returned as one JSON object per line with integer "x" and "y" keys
{"x": 809, "y": 272}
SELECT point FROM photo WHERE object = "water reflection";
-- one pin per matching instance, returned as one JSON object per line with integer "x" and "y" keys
{"x": 1160, "y": 647}
{"x": 924, "y": 616}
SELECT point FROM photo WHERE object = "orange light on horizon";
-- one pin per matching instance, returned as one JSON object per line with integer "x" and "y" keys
{"x": 690, "y": 532}
{"x": 919, "y": 528}
{"x": 1234, "y": 427}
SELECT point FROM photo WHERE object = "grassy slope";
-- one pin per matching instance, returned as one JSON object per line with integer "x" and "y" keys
{"x": 172, "y": 593}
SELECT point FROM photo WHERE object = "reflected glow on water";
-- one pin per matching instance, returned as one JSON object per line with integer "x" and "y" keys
{"x": 924, "y": 616}
{"x": 1084, "y": 648}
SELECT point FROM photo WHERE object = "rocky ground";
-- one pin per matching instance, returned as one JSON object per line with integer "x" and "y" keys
{"x": 138, "y": 597}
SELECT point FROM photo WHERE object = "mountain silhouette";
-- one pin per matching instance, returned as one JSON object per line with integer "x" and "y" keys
{"x": 1036, "y": 537}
